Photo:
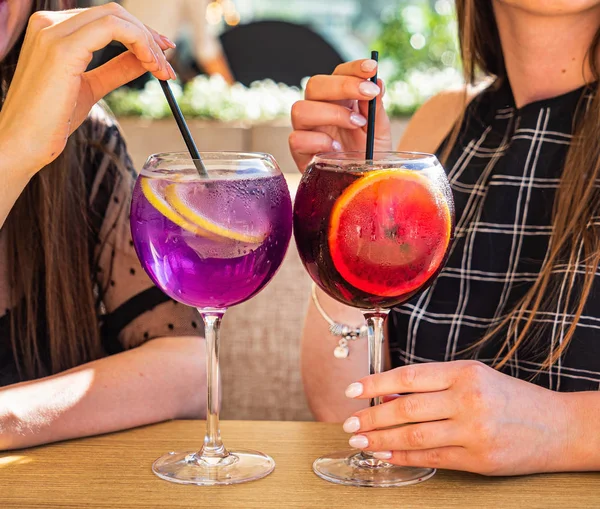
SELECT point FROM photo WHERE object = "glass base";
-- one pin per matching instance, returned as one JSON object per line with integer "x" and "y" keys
{"x": 355, "y": 469}
{"x": 190, "y": 468}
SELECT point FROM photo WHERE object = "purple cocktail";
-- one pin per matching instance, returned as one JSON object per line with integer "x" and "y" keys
{"x": 211, "y": 241}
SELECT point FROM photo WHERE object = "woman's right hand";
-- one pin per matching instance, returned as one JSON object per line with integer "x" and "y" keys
{"x": 51, "y": 93}
{"x": 333, "y": 115}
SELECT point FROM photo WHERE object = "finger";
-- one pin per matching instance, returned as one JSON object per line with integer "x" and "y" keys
{"x": 115, "y": 73}
{"x": 307, "y": 115}
{"x": 427, "y": 435}
{"x": 76, "y": 19}
{"x": 99, "y": 33}
{"x": 420, "y": 407}
{"x": 85, "y": 16}
{"x": 430, "y": 377}
{"x": 160, "y": 44}
{"x": 451, "y": 458}
{"x": 163, "y": 42}
{"x": 365, "y": 68}
{"x": 305, "y": 144}
{"x": 363, "y": 106}
{"x": 67, "y": 22}
{"x": 340, "y": 88}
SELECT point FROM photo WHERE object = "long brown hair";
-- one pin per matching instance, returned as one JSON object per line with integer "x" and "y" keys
{"x": 574, "y": 248}
{"x": 49, "y": 258}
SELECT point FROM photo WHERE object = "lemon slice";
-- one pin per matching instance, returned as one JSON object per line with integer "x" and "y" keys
{"x": 154, "y": 196}
{"x": 158, "y": 202}
{"x": 175, "y": 197}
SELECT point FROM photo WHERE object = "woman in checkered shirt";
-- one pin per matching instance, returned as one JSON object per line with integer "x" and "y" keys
{"x": 499, "y": 360}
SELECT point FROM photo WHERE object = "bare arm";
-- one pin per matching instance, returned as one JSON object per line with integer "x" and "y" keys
{"x": 325, "y": 378}
{"x": 158, "y": 381}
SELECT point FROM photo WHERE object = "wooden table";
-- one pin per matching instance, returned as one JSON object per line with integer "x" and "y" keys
{"x": 113, "y": 471}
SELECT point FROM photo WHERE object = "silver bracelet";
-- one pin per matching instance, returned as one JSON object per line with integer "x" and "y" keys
{"x": 344, "y": 332}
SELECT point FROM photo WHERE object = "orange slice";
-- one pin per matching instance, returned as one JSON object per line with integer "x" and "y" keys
{"x": 389, "y": 232}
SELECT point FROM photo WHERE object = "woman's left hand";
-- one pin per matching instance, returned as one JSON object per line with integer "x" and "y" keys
{"x": 461, "y": 415}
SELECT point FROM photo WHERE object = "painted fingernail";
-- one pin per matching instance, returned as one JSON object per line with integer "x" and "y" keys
{"x": 171, "y": 71}
{"x": 168, "y": 42}
{"x": 369, "y": 88}
{"x": 354, "y": 390}
{"x": 368, "y": 65}
{"x": 358, "y": 120}
{"x": 383, "y": 455}
{"x": 351, "y": 425}
{"x": 337, "y": 146}
{"x": 358, "y": 441}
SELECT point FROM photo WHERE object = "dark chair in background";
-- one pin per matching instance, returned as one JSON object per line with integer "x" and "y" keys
{"x": 277, "y": 50}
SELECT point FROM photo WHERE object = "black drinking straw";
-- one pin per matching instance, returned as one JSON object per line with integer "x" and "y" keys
{"x": 183, "y": 127}
{"x": 371, "y": 119}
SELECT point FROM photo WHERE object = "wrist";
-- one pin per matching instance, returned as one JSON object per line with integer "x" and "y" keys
{"x": 578, "y": 413}
{"x": 337, "y": 311}
{"x": 15, "y": 160}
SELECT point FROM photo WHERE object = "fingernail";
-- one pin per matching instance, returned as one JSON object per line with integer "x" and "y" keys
{"x": 337, "y": 146}
{"x": 358, "y": 119}
{"x": 358, "y": 441}
{"x": 168, "y": 42}
{"x": 351, "y": 425}
{"x": 171, "y": 71}
{"x": 383, "y": 455}
{"x": 354, "y": 390}
{"x": 369, "y": 88}
{"x": 368, "y": 65}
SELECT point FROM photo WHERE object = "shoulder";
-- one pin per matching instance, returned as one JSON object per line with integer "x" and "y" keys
{"x": 433, "y": 121}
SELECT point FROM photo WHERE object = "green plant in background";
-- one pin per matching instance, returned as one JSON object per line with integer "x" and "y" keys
{"x": 209, "y": 98}
{"x": 418, "y": 35}
{"x": 419, "y": 53}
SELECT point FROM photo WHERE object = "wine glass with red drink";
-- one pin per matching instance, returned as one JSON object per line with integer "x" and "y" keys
{"x": 372, "y": 234}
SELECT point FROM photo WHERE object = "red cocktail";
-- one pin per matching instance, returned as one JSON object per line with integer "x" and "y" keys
{"x": 373, "y": 234}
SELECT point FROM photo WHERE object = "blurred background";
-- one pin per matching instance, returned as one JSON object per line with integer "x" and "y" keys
{"x": 241, "y": 64}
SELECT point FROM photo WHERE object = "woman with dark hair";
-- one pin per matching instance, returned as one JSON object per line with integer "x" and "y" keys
{"x": 497, "y": 365}
{"x": 72, "y": 291}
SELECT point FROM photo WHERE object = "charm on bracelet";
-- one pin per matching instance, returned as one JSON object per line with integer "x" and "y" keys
{"x": 345, "y": 333}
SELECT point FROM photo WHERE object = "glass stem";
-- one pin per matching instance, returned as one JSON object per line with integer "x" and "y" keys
{"x": 375, "y": 320}
{"x": 213, "y": 446}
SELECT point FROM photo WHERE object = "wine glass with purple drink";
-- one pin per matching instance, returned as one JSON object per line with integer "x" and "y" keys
{"x": 211, "y": 240}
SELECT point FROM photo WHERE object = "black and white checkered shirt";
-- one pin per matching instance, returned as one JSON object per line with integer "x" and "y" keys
{"x": 504, "y": 172}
